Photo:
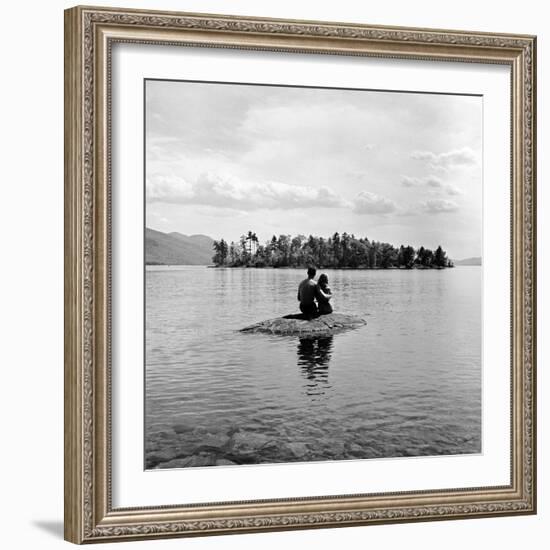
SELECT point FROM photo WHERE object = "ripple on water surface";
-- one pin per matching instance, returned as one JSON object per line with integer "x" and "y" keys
{"x": 406, "y": 384}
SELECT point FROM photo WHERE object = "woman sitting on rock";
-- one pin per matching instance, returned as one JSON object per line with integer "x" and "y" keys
{"x": 323, "y": 295}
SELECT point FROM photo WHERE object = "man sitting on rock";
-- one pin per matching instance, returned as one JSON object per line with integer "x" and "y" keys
{"x": 307, "y": 292}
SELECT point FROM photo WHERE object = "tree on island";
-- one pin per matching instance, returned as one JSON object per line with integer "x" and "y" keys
{"x": 221, "y": 251}
{"x": 405, "y": 257}
{"x": 252, "y": 240}
{"x": 440, "y": 258}
{"x": 336, "y": 251}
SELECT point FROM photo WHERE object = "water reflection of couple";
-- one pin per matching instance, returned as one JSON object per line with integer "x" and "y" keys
{"x": 314, "y": 297}
{"x": 313, "y": 359}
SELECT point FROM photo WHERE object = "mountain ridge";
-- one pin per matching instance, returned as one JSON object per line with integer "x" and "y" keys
{"x": 475, "y": 260}
{"x": 176, "y": 248}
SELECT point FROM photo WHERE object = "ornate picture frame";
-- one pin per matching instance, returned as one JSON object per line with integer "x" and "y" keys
{"x": 90, "y": 34}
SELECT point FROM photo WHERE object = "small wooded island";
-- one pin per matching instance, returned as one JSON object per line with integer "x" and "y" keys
{"x": 337, "y": 251}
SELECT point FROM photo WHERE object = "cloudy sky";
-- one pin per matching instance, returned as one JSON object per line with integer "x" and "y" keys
{"x": 399, "y": 167}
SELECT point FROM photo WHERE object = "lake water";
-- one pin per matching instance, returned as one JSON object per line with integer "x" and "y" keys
{"x": 406, "y": 384}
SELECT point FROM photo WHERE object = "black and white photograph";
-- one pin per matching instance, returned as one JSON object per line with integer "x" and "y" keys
{"x": 300, "y": 255}
{"x": 312, "y": 278}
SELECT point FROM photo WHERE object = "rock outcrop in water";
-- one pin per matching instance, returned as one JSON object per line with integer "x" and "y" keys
{"x": 300, "y": 325}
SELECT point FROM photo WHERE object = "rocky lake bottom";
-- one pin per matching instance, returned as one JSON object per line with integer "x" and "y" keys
{"x": 183, "y": 446}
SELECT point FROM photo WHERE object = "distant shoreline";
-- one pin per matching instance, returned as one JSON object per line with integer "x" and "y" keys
{"x": 318, "y": 268}
{"x": 285, "y": 252}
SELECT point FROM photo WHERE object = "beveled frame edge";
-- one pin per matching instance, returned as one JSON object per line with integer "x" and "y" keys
{"x": 89, "y": 33}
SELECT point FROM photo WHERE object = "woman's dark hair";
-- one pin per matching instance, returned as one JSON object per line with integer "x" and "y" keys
{"x": 323, "y": 279}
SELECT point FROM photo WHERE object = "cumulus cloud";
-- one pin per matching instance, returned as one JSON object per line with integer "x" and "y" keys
{"x": 407, "y": 181}
{"x": 450, "y": 159}
{"x": 430, "y": 181}
{"x": 439, "y": 206}
{"x": 213, "y": 190}
{"x": 370, "y": 203}
{"x": 453, "y": 190}
{"x": 437, "y": 187}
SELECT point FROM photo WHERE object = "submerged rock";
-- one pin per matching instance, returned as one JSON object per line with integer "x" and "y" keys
{"x": 182, "y": 428}
{"x": 244, "y": 443}
{"x": 215, "y": 440}
{"x": 300, "y": 325}
{"x": 297, "y": 449}
{"x": 200, "y": 460}
{"x": 225, "y": 462}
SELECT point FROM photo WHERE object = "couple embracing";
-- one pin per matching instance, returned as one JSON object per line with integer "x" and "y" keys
{"x": 314, "y": 297}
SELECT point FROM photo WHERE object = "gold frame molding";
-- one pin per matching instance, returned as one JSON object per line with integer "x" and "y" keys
{"x": 89, "y": 35}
